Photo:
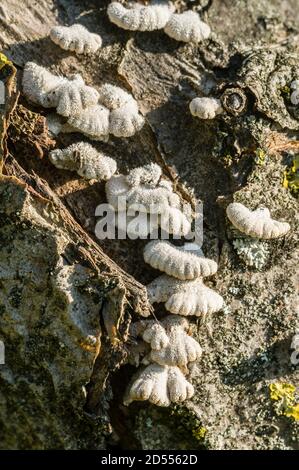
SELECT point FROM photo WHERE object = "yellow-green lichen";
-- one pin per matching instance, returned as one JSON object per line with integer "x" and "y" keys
{"x": 4, "y": 61}
{"x": 260, "y": 156}
{"x": 291, "y": 176}
{"x": 284, "y": 396}
{"x": 285, "y": 91}
{"x": 188, "y": 421}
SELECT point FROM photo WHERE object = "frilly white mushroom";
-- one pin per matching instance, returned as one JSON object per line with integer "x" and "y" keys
{"x": 205, "y": 108}
{"x": 85, "y": 160}
{"x": 156, "y": 335}
{"x": 113, "y": 96}
{"x": 71, "y": 97}
{"x": 144, "y": 197}
{"x": 187, "y": 27}
{"x": 177, "y": 261}
{"x": 160, "y": 385}
{"x": 184, "y": 297}
{"x": 140, "y": 18}
{"x": 295, "y": 92}
{"x": 76, "y": 38}
{"x": 38, "y": 82}
{"x": 135, "y": 226}
{"x": 126, "y": 120}
{"x": 147, "y": 174}
{"x": 177, "y": 348}
{"x": 174, "y": 221}
{"x": 257, "y": 223}
{"x": 92, "y": 121}
{"x": 68, "y": 96}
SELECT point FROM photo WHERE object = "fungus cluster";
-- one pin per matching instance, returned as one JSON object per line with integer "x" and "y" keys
{"x": 169, "y": 350}
{"x": 160, "y": 14}
{"x": 144, "y": 190}
{"x": 94, "y": 113}
{"x": 172, "y": 349}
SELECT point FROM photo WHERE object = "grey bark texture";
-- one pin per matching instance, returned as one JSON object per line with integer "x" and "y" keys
{"x": 67, "y": 299}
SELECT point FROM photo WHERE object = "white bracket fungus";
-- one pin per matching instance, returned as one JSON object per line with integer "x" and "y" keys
{"x": 92, "y": 121}
{"x": 68, "y": 96}
{"x": 170, "y": 343}
{"x": 156, "y": 335}
{"x": 177, "y": 261}
{"x": 140, "y": 18}
{"x": 160, "y": 385}
{"x": 174, "y": 221}
{"x": 187, "y": 27}
{"x": 124, "y": 119}
{"x": 205, "y": 108}
{"x": 71, "y": 97}
{"x": 85, "y": 160}
{"x": 145, "y": 197}
{"x": 257, "y": 223}
{"x": 135, "y": 227}
{"x": 96, "y": 115}
{"x": 38, "y": 82}
{"x": 184, "y": 297}
{"x": 76, "y": 38}
{"x": 147, "y": 174}
{"x": 113, "y": 96}
{"x": 142, "y": 190}
{"x": 295, "y": 92}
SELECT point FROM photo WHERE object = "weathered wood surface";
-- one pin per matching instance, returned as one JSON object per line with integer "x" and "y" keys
{"x": 245, "y": 348}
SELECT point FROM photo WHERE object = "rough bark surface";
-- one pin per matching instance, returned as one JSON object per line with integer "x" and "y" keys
{"x": 62, "y": 384}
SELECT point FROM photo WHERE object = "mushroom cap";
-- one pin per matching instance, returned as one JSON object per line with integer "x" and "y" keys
{"x": 76, "y": 38}
{"x": 113, "y": 96}
{"x": 126, "y": 120}
{"x": 92, "y": 121}
{"x": 85, "y": 160}
{"x": 257, "y": 223}
{"x": 160, "y": 385}
{"x": 174, "y": 221}
{"x": 147, "y": 174}
{"x": 38, "y": 81}
{"x": 205, "y": 108}
{"x": 71, "y": 97}
{"x": 177, "y": 262}
{"x": 187, "y": 27}
{"x": 140, "y": 18}
{"x": 143, "y": 197}
{"x": 176, "y": 348}
{"x": 184, "y": 297}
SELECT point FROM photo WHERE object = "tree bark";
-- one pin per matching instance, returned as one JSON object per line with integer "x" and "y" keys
{"x": 65, "y": 361}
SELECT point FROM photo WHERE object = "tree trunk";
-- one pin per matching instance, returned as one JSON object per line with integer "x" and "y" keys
{"x": 66, "y": 362}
